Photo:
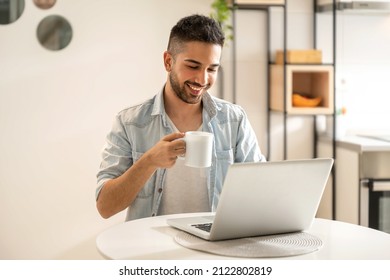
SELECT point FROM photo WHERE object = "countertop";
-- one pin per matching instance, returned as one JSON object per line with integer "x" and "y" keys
{"x": 359, "y": 144}
{"x": 374, "y": 154}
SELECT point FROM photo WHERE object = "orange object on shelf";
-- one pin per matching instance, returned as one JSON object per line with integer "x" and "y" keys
{"x": 298, "y": 100}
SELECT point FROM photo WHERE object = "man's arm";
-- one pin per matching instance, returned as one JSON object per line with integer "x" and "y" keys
{"x": 117, "y": 194}
{"x": 247, "y": 148}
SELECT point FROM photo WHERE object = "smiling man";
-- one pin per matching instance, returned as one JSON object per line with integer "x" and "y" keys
{"x": 139, "y": 169}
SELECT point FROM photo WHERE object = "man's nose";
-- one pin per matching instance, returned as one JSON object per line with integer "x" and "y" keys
{"x": 202, "y": 78}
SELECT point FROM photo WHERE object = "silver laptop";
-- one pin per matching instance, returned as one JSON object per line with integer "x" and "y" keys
{"x": 263, "y": 198}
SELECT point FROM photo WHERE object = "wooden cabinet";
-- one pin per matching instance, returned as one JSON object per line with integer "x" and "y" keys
{"x": 346, "y": 202}
{"x": 312, "y": 81}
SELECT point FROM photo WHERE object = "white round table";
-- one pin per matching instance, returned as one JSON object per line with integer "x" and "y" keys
{"x": 153, "y": 238}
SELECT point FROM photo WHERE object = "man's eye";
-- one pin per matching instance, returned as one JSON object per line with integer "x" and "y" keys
{"x": 193, "y": 67}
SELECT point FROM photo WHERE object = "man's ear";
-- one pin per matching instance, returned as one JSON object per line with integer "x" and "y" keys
{"x": 167, "y": 61}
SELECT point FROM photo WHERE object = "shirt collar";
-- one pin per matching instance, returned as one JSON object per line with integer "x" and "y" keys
{"x": 209, "y": 105}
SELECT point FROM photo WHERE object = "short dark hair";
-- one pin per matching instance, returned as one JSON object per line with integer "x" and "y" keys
{"x": 197, "y": 28}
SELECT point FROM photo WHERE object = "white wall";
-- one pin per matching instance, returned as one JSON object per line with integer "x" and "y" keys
{"x": 56, "y": 107}
{"x": 364, "y": 64}
{"x": 362, "y": 69}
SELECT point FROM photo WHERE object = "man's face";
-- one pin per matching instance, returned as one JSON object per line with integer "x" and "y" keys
{"x": 194, "y": 70}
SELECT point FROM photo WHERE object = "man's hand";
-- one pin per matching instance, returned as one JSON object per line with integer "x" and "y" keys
{"x": 164, "y": 154}
{"x": 117, "y": 194}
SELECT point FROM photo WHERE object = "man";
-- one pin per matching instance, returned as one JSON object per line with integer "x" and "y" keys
{"x": 140, "y": 170}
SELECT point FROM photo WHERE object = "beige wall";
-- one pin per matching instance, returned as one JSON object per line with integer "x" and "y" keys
{"x": 55, "y": 111}
{"x": 56, "y": 107}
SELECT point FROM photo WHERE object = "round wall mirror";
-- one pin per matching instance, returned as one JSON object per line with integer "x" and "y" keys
{"x": 54, "y": 32}
{"x": 44, "y": 4}
{"x": 10, "y": 10}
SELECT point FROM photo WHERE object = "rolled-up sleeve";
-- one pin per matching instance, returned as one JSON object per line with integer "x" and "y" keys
{"x": 116, "y": 155}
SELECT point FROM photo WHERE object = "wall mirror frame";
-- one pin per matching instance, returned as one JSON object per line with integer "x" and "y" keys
{"x": 11, "y": 10}
{"x": 54, "y": 32}
{"x": 44, "y": 4}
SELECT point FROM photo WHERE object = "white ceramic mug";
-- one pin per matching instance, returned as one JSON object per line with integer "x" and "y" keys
{"x": 199, "y": 147}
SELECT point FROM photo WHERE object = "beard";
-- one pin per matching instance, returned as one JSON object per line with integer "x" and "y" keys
{"x": 181, "y": 92}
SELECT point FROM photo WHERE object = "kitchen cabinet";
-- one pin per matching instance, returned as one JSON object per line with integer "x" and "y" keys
{"x": 363, "y": 180}
{"x": 341, "y": 203}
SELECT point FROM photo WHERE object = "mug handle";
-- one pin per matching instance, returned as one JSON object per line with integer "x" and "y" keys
{"x": 182, "y": 157}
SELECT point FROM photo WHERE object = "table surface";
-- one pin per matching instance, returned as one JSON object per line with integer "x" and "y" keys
{"x": 153, "y": 238}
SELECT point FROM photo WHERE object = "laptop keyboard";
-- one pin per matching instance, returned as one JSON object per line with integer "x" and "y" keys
{"x": 205, "y": 227}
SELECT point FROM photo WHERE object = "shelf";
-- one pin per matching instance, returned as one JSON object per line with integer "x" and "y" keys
{"x": 311, "y": 80}
{"x": 361, "y": 7}
{"x": 256, "y": 3}
{"x": 308, "y": 77}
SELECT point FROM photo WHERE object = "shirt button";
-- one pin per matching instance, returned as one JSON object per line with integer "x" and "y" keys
{"x": 160, "y": 190}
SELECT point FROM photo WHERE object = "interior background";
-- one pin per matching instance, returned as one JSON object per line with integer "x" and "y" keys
{"x": 57, "y": 107}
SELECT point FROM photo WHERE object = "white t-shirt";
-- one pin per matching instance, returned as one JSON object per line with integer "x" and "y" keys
{"x": 185, "y": 188}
